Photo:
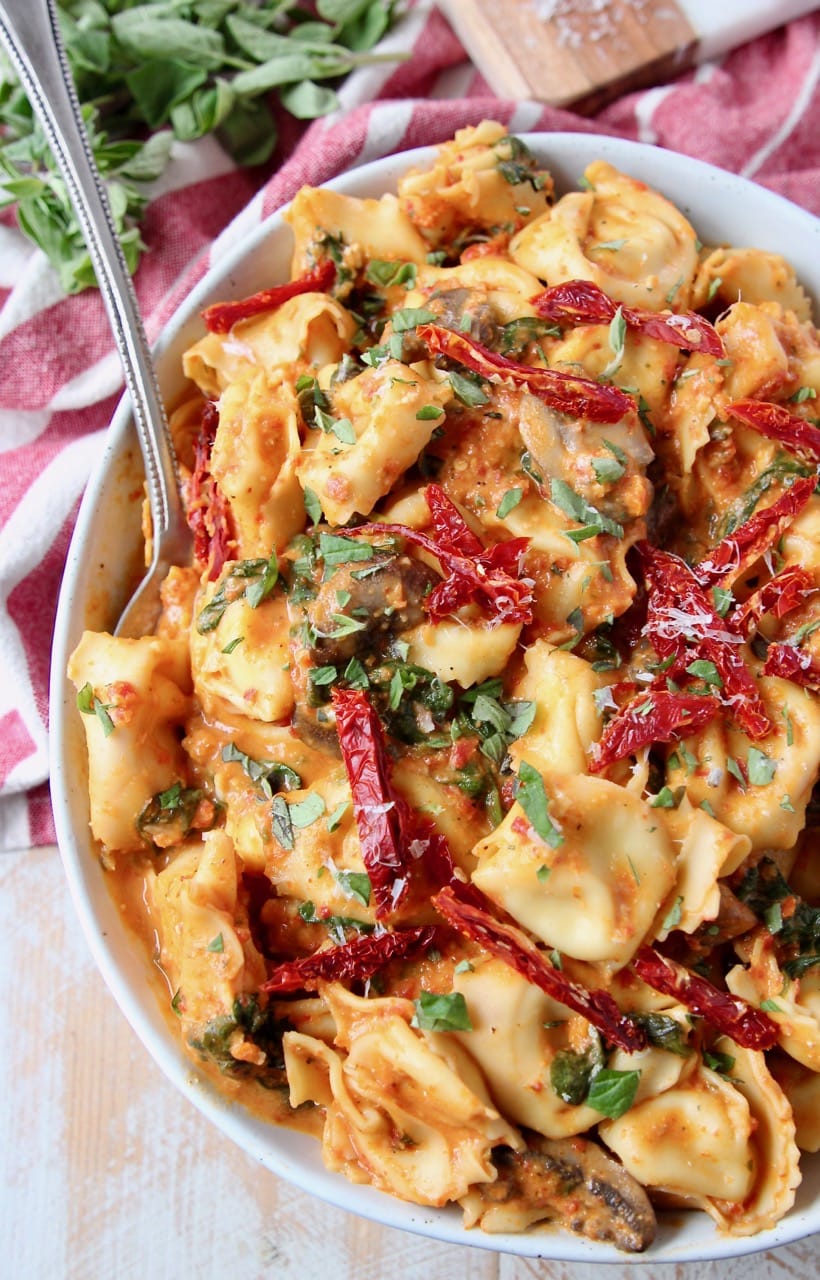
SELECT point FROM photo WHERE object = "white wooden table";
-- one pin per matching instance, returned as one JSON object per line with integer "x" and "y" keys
{"x": 108, "y": 1174}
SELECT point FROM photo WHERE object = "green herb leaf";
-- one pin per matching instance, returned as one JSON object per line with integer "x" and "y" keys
{"x": 90, "y": 705}
{"x": 509, "y": 502}
{"x": 532, "y": 796}
{"x": 722, "y": 1063}
{"x": 613, "y": 1092}
{"x": 356, "y": 884}
{"x": 408, "y": 317}
{"x": 313, "y": 506}
{"x": 706, "y": 671}
{"x": 441, "y": 1012}
{"x": 303, "y": 813}
{"x": 760, "y": 767}
{"x": 577, "y": 508}
{"x": 617, "y": 343}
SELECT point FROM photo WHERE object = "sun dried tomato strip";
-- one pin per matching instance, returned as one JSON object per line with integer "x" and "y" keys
{"x": 376, "y": 807}
{"x": 582, "y": 302}
{"x": 755, "y": 537}
{"x": 580, "y": 397}
{"x": 461, "y": 910}
{"x": 660, "y": 716}
{"x": 749, "y": 1027}
{"x": 780, "y": 595}
{"x": 792, "y": 663}
{"x": 222, "y": 316}
{"x": 683, "y": 624}
{"x": 778, "y": 423}
{"x": 353, "y": 961}
{"x": 487, "y": 576}
{"x": 206, "y": 508}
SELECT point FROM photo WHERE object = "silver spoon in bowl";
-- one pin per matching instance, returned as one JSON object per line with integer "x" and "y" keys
{"x": 30, "y": 32}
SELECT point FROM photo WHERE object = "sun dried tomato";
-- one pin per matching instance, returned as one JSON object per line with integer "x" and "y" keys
{"x": 778, "y": 423}
{"x": 734, "y": 554}
{"x": 206, "y": 508}
{"x": 749, "y": 1027}
{"x": 459, "y": 905}
{"x": 353, "y": 961}
{"x": 683, "y": 625}
{"x": 780, "y": 595}
{"x": 792, "y": 663}
{"x": 582, "y": 302}
{"x": 376, "y": 807}
{"x": 657, "y": 716}
{"x": 487, "y": 576}
{"x": 566, "y": 392}
{"x": 222, "y": 316}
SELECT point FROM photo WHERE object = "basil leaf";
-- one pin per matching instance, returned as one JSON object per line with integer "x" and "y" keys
{"x": 303, "y": 813}
{"x": 613, "y": 1092}
{"x": 531, "y": 795}
{"x": 441, "y": 1012}
{"x": 356, "y": 884}
{"x": 467, "y": 388}
{"x": 761, "y": 768}
{"x": 90, "y": 705}
{"x": 573, "y": 505}
{"x": 408, "y": 317}
{"x": 509, "y": 502}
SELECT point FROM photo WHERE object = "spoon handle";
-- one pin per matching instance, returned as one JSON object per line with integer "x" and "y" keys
{"x": 30, "y": 31}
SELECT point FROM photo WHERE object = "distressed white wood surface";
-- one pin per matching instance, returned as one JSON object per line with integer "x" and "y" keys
{"x": 107, "y": 1174}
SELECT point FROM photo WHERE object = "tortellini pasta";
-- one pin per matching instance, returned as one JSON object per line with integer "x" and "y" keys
{"x": 467, "y": 794}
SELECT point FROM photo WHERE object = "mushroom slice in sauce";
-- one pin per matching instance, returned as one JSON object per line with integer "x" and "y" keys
{"x": 573, "y": 1182}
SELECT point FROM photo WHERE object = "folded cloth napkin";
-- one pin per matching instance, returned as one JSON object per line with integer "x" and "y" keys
{"x": 755, "y": 113}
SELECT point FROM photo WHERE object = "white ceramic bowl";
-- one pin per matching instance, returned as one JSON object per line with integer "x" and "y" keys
{"x": 107, "y": 544}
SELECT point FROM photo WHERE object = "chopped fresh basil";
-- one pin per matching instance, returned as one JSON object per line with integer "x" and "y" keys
{"x": 760, "y": 767}
{"x": 721, "y": 1063}
{"x": 334, "y": 819}
{"x": 313, "y": 506}
{"x": 271, "y": 775}
{"x": 90, "y": 705}
{"x": 305, "y": 812}
{"x": 355, "y": 884}
{"x": 532, "y": 796}
{"x": 386, "y": 272}
{"x": 706, "y": 671}
{"x": 281, "y": 824}
{"x": 577, "y": 508}
{"x": 429, "y": 412}
{"x": 509, "y": 502}
{"x": 467, "y": 388}
{"x": 613, "y": 1092}
{"x": 441, "y": 1012}
{"x": 261, "y": 587}
{"x": 664, "y": 1032}
{"x": 571, "y": 1073}
{"x": 617, "y": 343}
{"x": 408, "y": 317}
{"x": 336, "y": 549}
{"x": 673, "y": 916}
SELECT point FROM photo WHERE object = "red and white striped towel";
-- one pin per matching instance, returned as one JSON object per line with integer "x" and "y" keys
{"x": 754, "y": 113}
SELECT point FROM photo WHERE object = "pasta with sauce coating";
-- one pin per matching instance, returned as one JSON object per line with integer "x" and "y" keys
{"x": 468, "y": 787}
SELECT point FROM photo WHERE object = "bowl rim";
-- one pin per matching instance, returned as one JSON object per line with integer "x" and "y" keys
{"x": 797, "y": 233}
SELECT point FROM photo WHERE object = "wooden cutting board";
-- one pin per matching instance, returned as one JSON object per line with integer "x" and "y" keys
{"x": 585, "y": 52}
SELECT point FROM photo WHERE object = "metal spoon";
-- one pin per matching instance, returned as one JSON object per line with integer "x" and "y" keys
{"x": 30, "y": 32}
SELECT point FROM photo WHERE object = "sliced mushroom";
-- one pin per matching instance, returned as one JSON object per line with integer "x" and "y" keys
{"x": 465, "y": 310}
{"x": 573, "y": 1182}
{"x": 382, "y": 599}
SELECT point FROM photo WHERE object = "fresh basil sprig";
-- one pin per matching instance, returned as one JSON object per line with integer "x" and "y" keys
{"x": 147, "y": 73}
